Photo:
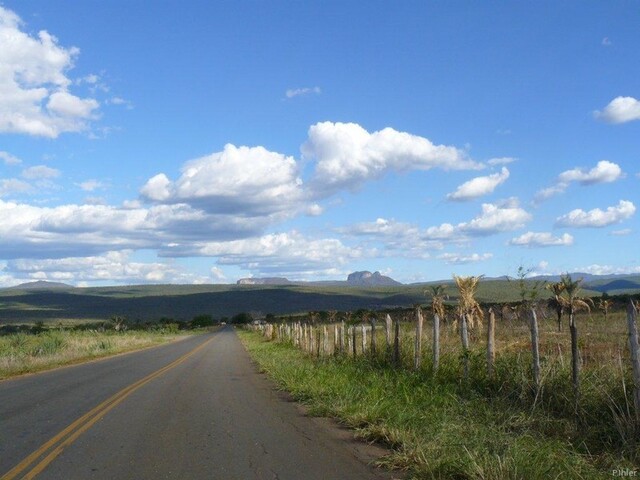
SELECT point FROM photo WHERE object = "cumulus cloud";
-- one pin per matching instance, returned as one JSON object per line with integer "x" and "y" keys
{"x": 247, "y": 181}
{"x": 298, "y": 92}
{"x": 34, "y": 88}
{"x": 620, "y": 110}
{"x": 542, "y": 239}
{"x": 604, "y": 172}
{"x": 392, "y": 238}
{"x": 597, "y": 218}
{"x": 112, "y": 267}
{"x": 458, "y": 259}
{"x": 410, "y": 241}
{"x": 496, "y": 218}
{"x": 479, "y": 186}
{"x": 9, "y": 159}
{"x": 289, "y": 253}
{"x": 67, "y": 230}
{"x": 346, "y": 155}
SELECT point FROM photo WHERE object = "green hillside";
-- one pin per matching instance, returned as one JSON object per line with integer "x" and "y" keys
{"x": 183, "y": 302}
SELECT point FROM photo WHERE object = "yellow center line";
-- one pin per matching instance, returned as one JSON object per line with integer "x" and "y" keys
{"x": 66, "y": 437}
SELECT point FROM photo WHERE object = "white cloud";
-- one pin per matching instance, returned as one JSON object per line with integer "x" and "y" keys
{"x": 247, "y": 181}
{"x": 621, "y": 233}
{"x": 218, "y": 274}
{"x": 66, "y": 230}
{"x": 501, "y": 161}
{"x": 9, "y": 159}
{"x": 603, "y": 172}
{"x": 479, "y": 186}
{"x": 620, "y": 110}
{"x": 496, "y": 218}
{"x": 40, "y": 172}
{"x": 290, "y": 254}
{"x": 10, "y": 186}
{"x": 597, "y": 269}
{"x": 346, "y": 155}
{"x": 458, "y": 259}
{"x": 541, "y": 239}
{"x": 297, "y": 92}
{"x": 547, "y": 193}
{"x": 112, "y": 267}
{"x": 90, "y": 185}
{"x": 34, "y": 88}
{"x": 597, "y": 218}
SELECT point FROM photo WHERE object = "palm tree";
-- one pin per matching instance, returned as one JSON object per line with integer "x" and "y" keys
{"x": 469, "y": 311}
{"x": 574, "y": 304}
{"x": 604, "y": 305}
{"x": 558, "y": 302}
{"x": 438, "y": 297}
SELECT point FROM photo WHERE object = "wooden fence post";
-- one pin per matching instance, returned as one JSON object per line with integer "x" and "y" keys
{"x": 343, "y": 332}
{"x": 464, "y": 335}
{"x": 387, "y": 331}
{"x": 491, "y": 343}
{"x": 355, "y": 348}
{"x": 373, "y": 337}
{"x": 418, "y": 349}
{"x": 364, "y": 336}
{"x": 436, "y": 342}
{"x": 632, "y": 317}
{"x": 535, "y": 349}
{"x": 396, "y": 343}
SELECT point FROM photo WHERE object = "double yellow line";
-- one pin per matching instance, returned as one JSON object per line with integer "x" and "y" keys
{"x": 48, "y": 452}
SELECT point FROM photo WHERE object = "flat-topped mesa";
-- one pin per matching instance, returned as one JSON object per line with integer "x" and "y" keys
{"x": 366, "y": 278}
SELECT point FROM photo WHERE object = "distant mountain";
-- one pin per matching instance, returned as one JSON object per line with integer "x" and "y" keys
{"x": 368, "y": 279}
{"x": 41, "y": 285}
{"x": 264, "y": 281}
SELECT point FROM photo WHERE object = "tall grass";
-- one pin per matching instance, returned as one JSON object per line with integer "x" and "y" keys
{"x": 604, "y": 437}
{"x": 437, "y": 429}
{"x": 24, "y": 353}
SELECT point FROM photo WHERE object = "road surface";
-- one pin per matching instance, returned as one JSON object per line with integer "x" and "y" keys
{"x": 194, "y": 409}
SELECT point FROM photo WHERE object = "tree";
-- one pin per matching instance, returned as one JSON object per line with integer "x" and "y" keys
{"x": 469, "y": 311}
{"x": 558, "y": 302}
{"x": 243, "y": 317}
{"x": 438, "y": 297}
{"x": 201, "y": 321}
{"x": 574, "y": 304}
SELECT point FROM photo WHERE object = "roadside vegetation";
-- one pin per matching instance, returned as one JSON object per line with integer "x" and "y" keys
{"x": 553, "y": 397}
{"x": 38, "y": 347}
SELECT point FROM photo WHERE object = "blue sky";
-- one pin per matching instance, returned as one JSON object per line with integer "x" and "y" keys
{"x": 202, "y": 142}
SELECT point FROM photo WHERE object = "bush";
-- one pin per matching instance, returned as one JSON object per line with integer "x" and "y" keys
{"x": 200, "y": 321}
{"x": 242, "y": 318}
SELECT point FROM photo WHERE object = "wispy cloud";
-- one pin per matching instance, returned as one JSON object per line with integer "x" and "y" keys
{"x": 542, "y": 239}
{"x": 299, "y": 92}
{"x": 479, "y": 186}
{"x": 9, "y": 159}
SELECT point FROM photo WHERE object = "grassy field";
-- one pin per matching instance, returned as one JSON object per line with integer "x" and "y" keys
{"x": 27, "y": 353}
{"x": 442, "y": 426}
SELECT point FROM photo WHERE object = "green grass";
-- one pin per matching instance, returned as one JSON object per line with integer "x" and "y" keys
{"x": 441, "y": 427}
{"x": 22, "y": 353}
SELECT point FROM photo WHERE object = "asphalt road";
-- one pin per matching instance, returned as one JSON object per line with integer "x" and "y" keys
{"x": 194, "y": 409}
